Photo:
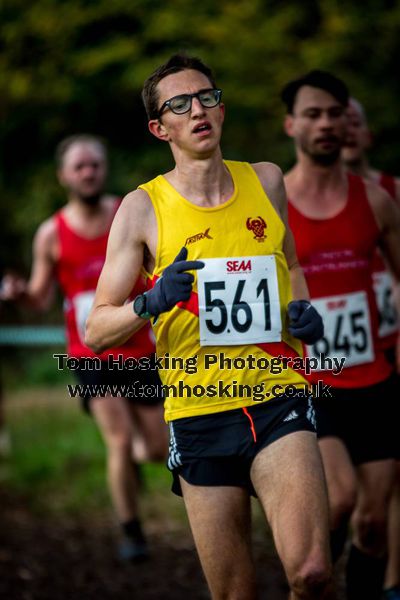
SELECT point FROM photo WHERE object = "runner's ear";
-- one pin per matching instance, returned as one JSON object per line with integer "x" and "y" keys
{"x": 288, "y": 125}
{"x": 158, "y": 130}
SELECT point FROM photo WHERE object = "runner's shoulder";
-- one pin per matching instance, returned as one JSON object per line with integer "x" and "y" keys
{"x": 268, "y": 173}
{"x": 47, "y": 232}
{"x": 271, "y": 179}
{"x": 381, "y": 203}
{"x": 46, "y": 237}
{"x": 136, "y": 211}
{"x": 136, "y": 202}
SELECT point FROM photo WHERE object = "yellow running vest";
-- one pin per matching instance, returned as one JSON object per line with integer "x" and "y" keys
{"x": 224, "y": 355}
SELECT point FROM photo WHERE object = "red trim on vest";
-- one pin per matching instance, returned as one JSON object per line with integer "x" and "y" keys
{"x": 279, "y": 349}
{"x": 191, "y": 305}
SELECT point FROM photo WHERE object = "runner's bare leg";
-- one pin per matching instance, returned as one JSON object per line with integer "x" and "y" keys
{"x": 289, "y": 480}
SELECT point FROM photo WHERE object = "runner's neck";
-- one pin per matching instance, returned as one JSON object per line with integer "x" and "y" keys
{"x": 317, "y": 192}
{"x": 205, "y": 183}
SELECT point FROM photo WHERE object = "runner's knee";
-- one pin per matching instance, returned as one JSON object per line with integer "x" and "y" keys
{"x": 370, "y": 530}
{"x": 342, "y": 507}
{"x": 119, "y": 443}
{"x": 157, "y": 446}
{"x": 311, "y": 579}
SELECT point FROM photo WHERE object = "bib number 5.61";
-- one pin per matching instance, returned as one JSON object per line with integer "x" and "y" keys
{"x": 239, "y": 301}
{"x": 243, "y": 324}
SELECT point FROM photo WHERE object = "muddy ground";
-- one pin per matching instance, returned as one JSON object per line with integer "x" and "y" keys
{"x": 44, "y": 558}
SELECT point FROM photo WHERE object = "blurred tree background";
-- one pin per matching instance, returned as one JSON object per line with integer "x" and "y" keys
{"x": 70, "y": 66}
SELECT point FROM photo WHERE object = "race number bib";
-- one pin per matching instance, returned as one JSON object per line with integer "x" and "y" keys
{"x": 387, "y": 312}
{"x": 239, "y": 301}
{"x": 83, "y": 303}
{"x": 347, "y": 329}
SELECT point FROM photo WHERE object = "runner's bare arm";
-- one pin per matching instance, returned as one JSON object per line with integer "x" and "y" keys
{"x": 271, "y": 179}
{"x": 42, "y": 282}
{"x": 387, "y": 215}
{"x": 38, "y": 291}
{"x": 112, "y": 320}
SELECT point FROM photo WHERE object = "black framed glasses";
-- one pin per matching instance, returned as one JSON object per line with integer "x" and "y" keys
{"x": 183, "y": 103}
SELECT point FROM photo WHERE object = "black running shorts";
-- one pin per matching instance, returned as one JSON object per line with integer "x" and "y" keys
{"x": 218, "y": 449}
{"x": 363, "y": 418}
{"x": 143, "y": 386}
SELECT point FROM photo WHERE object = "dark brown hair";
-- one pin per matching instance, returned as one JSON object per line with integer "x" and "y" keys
{"x": 318, "y": 79}
{"x": 177, "y": 63}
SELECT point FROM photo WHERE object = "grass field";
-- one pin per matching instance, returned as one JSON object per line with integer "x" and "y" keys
{"x": 57, "y": 461}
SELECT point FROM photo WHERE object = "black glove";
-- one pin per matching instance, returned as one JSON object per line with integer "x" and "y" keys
{"x": 173, "y": 286}
{"x": 305, "y": 321}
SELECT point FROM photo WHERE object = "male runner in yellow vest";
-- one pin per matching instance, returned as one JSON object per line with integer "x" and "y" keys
{"x": 228, "y": 336}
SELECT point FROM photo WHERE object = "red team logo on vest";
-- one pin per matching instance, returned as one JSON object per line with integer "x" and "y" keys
{"x": 257, "y": 226}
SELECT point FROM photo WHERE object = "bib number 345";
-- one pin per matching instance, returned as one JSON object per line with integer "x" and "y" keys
{"x": 347, "y": 329}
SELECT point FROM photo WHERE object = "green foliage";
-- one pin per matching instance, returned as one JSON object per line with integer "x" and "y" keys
{"x": 79, "y": 65}
{"x": 58, "y": 459}
{"x": 33, "y": 367}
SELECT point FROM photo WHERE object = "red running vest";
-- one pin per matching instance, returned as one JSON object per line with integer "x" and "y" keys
{"x": 78, "y": 269}
{"x": 336, "y": 256}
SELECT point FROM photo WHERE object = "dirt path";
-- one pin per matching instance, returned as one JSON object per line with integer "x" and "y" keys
{"x": 43, "y": 559}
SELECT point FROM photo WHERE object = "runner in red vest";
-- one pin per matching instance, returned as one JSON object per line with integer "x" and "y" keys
{"x": 357, "y": 143}
{"x": 354, "y": 155}
{"x": 338, "y": 220}
{"x": 70, "y": 248}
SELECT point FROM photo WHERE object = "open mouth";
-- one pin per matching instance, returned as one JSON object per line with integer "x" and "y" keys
{"x": 202, "y": 127}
